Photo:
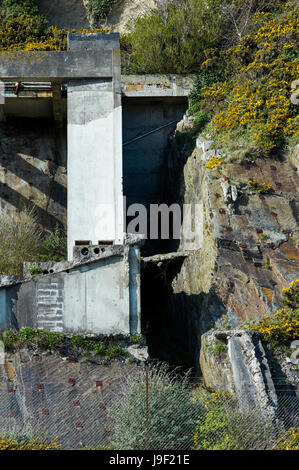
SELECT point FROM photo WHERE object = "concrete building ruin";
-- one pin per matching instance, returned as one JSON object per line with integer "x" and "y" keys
{"x": 108, "y": 118}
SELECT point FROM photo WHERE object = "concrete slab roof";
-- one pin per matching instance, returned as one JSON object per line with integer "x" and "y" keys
{"x": 55, "y": 66}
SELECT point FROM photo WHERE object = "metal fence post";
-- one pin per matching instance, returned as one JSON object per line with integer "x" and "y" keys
{"x": 146, "y": 409}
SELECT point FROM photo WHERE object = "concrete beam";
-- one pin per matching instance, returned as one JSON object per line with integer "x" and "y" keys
{"x": 150, "y": 86}
{"x": 132, "y": 86}
{"x": 55, "y": 66}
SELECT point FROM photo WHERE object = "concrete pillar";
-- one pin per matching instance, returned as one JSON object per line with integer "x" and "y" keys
{"x": 95, "y": 194}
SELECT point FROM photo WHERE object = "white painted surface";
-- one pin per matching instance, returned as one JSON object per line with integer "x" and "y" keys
{"x": 97, "y": 298}
{"x": 94, "y": 167}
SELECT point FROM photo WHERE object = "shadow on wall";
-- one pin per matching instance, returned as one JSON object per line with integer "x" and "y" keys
{"x": 32, "y": 166}
{"x": 174, "y": 322}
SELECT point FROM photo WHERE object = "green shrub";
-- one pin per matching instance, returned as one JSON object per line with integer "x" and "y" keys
{"x": 99, "y": 9}
{"x": 223, "y": 426}
{"x": 13, "y": 8}
{"x": 54, "y": 246}
{"x": 55, "y": 341}
{"x": 291, "y": 295}
{"x": 250, "y": 104}
{"x": 27, "y": 335}
{"x": 50, "y": 340}
{"x": 27, "y": 440}
{"x": 135, "y": 339}
{"x": 202, "y": 118}
{"x": 34, "y": 270}
{"x": 172, "y": 414}
{"x": 218, "y": 349}
{"x": 9, "y": 338}
{"x": 172, "y": 40}
{"x": 32, "y": 33}
{"x": 20, "y": 241}
{"x": 115, "y": 351}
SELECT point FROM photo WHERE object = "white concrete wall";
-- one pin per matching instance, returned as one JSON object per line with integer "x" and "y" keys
{"x": 90, "y": 163}
{"x": 101, "y": 297}
{"x": 97, "y": 298}
{"x": 95, "y": 206}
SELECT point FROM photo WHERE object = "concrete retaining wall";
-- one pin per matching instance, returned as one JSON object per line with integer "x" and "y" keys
{"x": 101, "y": 297}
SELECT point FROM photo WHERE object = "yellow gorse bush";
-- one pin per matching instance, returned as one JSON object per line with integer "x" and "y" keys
{"x": 256, "y": 101}
{"x": 213, "y": 162}
{"x": 262, "y": 188}
{"x": 291, "y": 294}
{"x": 288, "y": 440}
{"x": 283, "y": 326}
{"x": 10, "y": 444}
{"x": 33, "y": 34}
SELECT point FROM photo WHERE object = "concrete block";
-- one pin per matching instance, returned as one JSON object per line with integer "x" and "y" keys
{"x": 47, "y": 66}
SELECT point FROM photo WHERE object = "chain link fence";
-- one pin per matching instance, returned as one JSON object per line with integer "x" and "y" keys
{"x": 146, "y": 410}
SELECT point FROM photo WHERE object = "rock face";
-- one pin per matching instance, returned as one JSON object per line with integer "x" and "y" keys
{"x": 126, "y": 11}
{"x": 215, "y": 364}
{"x": 234, "y": 361}
{"x": 65, "y": 13}
{"x": 57, "y": 397}
{"x": 250, "y": 240}
{"x": 72, "y": 14}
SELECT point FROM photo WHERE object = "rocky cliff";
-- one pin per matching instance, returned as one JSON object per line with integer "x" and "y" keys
{"x": 250, "y": 237}
{"x": 74, "y": 13}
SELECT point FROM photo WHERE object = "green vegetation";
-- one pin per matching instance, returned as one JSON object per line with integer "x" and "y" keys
{"x": 21, "y": 240}
{"x": 135, "y": 339}
{"x": 14, "y": 8}
{"x": 99, "y": 9}
{"x": 249, "y": 85}
{"x": 54, "y": 247}
{"x": 261, "y": 188}
{"x": 288, "y": 440}
{"x": 74, "y": 345}
{"x": 245, "y": 55}
{"x": 282, "y": 327}
{"x": 35, "y": 270}
{"x": 223, "y": 426}
{"x": 22, "y": 28}
{"x": 172, "y": 40}
{"x": 218, "y": 349}
{"x": 7, "y": 443}
{"x": 267, "y": 265}
{"x": 169, "y": 401}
